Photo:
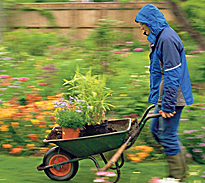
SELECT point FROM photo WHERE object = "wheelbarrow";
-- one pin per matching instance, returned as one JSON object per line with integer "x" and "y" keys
{"x": 61, "y": 163}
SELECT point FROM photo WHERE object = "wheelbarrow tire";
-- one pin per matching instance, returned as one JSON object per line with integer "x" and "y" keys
{"x": 64, "y": 172}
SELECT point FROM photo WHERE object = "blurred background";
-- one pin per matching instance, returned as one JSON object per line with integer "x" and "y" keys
{"x": 42, "y": 42}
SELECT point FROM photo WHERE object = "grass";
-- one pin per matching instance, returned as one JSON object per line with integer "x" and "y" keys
{"x": 23, "y": 170}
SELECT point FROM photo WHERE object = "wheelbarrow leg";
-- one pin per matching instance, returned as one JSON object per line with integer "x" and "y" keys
{"x": 118, "y": 172}
{"x": 95, "y": 161}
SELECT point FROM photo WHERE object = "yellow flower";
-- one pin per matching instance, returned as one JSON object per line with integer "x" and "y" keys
{"x": 35, "y": 121}
{"x": 4, "y": 128}
{"x": 28, "y": 125}
{"x": 39, "y": 104}
{"x": 123, "y": 95}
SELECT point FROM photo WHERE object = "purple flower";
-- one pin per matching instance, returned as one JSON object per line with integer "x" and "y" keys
{"x": 56, "y": 106}
{"x": 81, "y": 101}
{"x": 202, "y": 115}
{"x": 197, "y": 150}
{"x": 7, "y": 58}
{"x": 110, "y": 174}
{"x": 188, "y": 131}
{"x": 188, "y": 110}
{"x": 125, "y": 49}
{"x": 15, "y": 65}
{"x": 188, "y": 155}
{"x": 203, "y": 176}
{"x": 72, "y": 98}
{"x": 4, "y": 76}
{"x": 202, "y": 108}
{"x": 70, "y": 101}
{"x": 201, "y": 144}
{"x": 190, "y": 137}
{"x": 3, "y": 89}
{"x": 101, "y": 173}
{"x": 184, "y": 119}
{"x": 199, "y": 136}
{"x": 99, "y": 180}
{"x": 78, "y": 111}
{"x": 55, "y": 102}
{"x": 129, "y": 42}
{"x": 138, "y": 49}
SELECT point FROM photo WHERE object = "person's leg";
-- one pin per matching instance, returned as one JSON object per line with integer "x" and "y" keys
{"x": 168, "y": 138}
{"x": 164, "y": 131}
{"x": 167, "y": 133}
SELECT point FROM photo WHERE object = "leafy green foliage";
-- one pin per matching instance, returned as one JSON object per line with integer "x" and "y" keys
{"x": 69, "y": 118}
{"x": 195, "y": 14}
{"x": 35, "y": 43}
{"x": 92, "y": 90}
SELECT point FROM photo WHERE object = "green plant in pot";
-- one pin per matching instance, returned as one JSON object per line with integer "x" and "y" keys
{"x": 69, "y": 116}
{"x": 93, "y": 91}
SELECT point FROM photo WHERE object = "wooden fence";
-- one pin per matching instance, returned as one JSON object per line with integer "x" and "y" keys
{"x": 77, "y": 19}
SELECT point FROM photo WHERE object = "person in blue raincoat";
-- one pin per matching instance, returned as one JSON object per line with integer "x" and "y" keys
{"x": 170, "y": 86}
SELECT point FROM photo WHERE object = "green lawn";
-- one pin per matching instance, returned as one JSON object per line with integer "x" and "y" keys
{"x": 23, "y": 170}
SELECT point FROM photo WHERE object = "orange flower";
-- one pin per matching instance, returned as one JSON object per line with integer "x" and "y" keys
{"x": 30, "y": 146}
{"x": 44, "y": 149}
{"x": 33, "y": 137}
{"x": 7, "y": 146}
{"x": 16, "y": 150}
{"x": 15, "y": 123}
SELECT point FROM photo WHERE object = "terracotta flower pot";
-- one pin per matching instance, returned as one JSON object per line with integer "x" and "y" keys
{"x": 70, "y": 133}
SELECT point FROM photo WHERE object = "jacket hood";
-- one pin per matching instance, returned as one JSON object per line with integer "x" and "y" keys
{"x": 154, "y": 19}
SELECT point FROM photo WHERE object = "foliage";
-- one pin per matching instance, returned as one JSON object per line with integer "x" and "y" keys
{"x": 36, "y": 81}
{"x": 92, "y": 90}
{"x": 194, "y": 140}
{"x": 193, "y": 136}
{"x": 35, "y": 43}
{"x": 195, "y": 14}
{"x": 69, "y": 113}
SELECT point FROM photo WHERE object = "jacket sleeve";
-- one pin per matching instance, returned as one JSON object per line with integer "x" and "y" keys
{"x": 172, "y": 73}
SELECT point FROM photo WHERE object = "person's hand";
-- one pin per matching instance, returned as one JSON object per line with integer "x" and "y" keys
{"x": 167, "y": 115}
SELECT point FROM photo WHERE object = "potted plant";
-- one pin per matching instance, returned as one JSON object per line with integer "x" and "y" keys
{"x": 69, "y": 116}
{"x": 93, "y": 91}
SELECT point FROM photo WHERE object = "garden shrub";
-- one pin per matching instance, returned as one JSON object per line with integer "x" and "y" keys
{"x": 195, "y": 14}
{"x": 33, "y": 43}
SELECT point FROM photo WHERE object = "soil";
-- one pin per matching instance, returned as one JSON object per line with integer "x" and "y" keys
{"x": 56, "y": 133}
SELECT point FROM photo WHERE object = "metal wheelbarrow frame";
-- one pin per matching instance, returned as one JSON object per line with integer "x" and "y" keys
{"x": 61, "y": 162}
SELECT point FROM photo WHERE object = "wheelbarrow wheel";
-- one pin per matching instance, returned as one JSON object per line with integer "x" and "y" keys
{"x": 63, "y": 172}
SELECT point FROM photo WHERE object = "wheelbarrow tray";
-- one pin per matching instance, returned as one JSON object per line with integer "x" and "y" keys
{"x": 96, "y": 144}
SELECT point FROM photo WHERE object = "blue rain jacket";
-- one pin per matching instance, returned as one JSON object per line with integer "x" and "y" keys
{"x": 170, "y": 51}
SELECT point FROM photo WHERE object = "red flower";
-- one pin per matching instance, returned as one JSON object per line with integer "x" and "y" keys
{"x": 23, "y": 79}
{"x": 42, "y": 84}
